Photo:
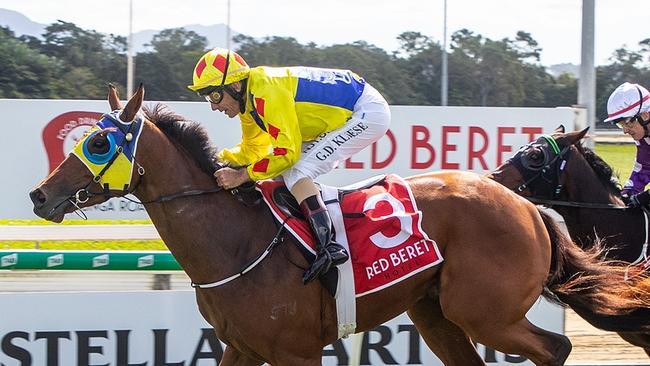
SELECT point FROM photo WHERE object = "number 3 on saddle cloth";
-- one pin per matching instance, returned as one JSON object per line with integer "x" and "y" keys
{"x": 382, "y": 227}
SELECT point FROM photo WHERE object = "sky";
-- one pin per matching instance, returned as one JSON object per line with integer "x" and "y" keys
{"x": 554, "y": 24}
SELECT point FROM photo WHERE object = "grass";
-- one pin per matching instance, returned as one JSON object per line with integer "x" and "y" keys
{"x": 619, "y": 156}
{"x": 85, "y": 245}
{"x": 82, "y": 244}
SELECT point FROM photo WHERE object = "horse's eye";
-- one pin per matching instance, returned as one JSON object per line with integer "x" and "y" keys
{"x": 99, "y": 145}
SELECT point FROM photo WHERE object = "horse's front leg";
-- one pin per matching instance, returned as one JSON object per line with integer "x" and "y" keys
{"x": 232, "y": 357}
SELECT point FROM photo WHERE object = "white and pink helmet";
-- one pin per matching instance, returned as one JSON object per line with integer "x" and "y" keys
{"x": 628, "y": 100}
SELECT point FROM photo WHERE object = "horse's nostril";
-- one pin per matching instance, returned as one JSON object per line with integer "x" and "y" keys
{"x": 38, "y": 197}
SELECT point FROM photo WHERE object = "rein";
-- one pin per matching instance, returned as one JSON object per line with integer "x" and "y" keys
{"x": 108, "y": 194}
{"x": 251, "y": 264}
{"x": 548, "y": 202}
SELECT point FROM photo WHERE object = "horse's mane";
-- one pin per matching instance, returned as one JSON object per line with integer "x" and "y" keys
{"x": 603, "y": 171}
{"x": 190, "y": 135}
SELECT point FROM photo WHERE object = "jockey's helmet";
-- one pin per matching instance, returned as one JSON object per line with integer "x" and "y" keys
{"x": 628, "y": 100}
{"x": 218, "y": 68}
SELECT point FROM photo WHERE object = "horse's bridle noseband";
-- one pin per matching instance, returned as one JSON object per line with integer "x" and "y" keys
{"x": 549, "y": 170}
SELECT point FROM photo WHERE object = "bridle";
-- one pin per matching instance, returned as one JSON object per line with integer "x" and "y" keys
{"x": 84, "y": 194}
{"x": 548, "y": 172}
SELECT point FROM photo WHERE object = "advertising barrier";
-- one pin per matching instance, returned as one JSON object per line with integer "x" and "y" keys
{"x": 40, "y": 133}
{"x": 128, "y": 260}
{"x": 155, "y": 328}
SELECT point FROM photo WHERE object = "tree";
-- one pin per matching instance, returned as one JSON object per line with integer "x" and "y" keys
{"x": 525, "y": 46}
{"x": 167, "y": 70}
{"x": 412, "y": 43}
{"x": 372, "y": 63}
{"x": 274, "y": 51}
{"x": 90, "y": 59}
{"x": 25, "y": 73}
{"x": 497, "y": 73}
{"x": 627, "y": 65}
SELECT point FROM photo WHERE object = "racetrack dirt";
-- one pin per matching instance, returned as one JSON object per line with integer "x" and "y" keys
{"x": 594, "y": 346}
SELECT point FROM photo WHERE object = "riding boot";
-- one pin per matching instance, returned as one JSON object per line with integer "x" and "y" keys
{"x": 329, "y": 253}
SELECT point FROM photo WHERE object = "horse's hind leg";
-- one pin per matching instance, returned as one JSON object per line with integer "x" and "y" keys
{"x": 502, "y": 325}
{"x": 489, "y": 302}
{"x": 444, "y": 338}
{"x": 522, "y": 338}
{"x": 638, "y": 339}
{"x": 538, "y": 345}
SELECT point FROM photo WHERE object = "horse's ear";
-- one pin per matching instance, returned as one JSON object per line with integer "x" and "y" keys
{"x": 133, "y": 106}
{"x": 559, "y": 129}
{"x": 575, "y": 136}
{"x": 113, "y": 98}
{"x": 583, "y": 132}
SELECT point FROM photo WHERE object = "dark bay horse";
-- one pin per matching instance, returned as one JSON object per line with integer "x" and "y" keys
{"x": 500, "y": 255}
{"x": 587, "y": 195}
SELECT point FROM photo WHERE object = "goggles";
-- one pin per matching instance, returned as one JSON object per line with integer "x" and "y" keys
{"x": 215, "y": 96}
{"x": 625, "y": 122}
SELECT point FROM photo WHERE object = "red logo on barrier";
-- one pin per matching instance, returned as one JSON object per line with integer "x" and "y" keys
{"x": 61, "y": 134}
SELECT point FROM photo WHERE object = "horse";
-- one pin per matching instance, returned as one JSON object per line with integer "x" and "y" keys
{"x": 582, "y": 188}
{"x": 499, "y": 254}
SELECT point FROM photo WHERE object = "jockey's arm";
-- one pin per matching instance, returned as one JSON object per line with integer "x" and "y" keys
{"x": 281, "y": 123}
{"x": 253, "y": 147}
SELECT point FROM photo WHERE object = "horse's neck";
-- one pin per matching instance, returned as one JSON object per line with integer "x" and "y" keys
{"x": 623, "y": 231}
{"x": 200, "y": 231}
{"x": 585, "y": 186}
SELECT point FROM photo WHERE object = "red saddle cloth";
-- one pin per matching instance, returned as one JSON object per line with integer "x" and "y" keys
{"x": 384, "y": 233}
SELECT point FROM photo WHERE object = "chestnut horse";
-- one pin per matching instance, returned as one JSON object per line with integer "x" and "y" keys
{"x": 581, "y": 187}
{"x": 500, "y": 254}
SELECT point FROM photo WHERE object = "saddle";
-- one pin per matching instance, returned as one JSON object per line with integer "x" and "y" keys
{"x": 285, "y": 201}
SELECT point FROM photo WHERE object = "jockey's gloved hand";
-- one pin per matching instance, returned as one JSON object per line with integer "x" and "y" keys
{"x": 640, "y": 200}
{"x": 626, "y": 199}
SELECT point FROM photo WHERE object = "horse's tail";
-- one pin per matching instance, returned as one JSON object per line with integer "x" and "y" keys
{"x": 594, "y": 288}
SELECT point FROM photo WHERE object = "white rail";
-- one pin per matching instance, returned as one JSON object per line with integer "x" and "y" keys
{"x": 77, "y": 232}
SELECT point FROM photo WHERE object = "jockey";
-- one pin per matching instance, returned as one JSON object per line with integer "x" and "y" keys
{"x": 297, "y": 123}
{"x": 629, "y": 108}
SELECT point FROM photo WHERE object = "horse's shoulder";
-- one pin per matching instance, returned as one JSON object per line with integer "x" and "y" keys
{"x": 450, "y": 179}
{"x": 457, "y": 188}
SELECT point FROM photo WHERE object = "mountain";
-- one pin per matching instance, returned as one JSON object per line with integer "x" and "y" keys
{"x": 21, "y": 25}
{"x": 558, "y": 69}
{"x": 215, "y": 34}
